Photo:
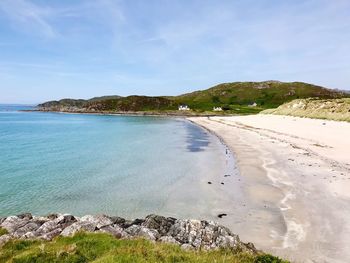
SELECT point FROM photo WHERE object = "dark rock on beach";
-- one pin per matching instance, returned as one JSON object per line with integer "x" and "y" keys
{"x": 221, "y": 215}
{"x": 188, "y": 233}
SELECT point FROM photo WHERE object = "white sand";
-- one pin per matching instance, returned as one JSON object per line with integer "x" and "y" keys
{"x": 296, "y": 175}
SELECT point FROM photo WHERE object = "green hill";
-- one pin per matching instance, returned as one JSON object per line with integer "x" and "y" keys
{"x": 236, "y": 97}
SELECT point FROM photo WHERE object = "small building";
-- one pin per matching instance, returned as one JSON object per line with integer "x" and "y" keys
{"x": 217, "y": 109}
{"x": 184, "y": 107}
{"x": 253, "y": 105}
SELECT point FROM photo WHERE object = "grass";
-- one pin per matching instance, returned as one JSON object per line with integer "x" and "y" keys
{"x": 3, "y": 231}
{"x": 267, "y": 94}
{"x": 328, "y": 109}
{"x": 103, "y": 248}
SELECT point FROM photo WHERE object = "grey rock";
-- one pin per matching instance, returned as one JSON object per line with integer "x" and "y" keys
{"x": 50, "y": 235}
{"x": 30, "y": 227}
{"x": 12, "y": 223}
{"x": 29, "y": 235}
{"x": 189, "y": 234}
{"x": 25, "y": 215}
{"x": 47, "y": 227}
{"x": 140, "y": 231}
{"x": 52, "y": 216}
{"x": 160, "y": 223}
{"x": 78, "y": 226}
{"x": 115, "y": 230}
{"x": 117, "y": 220}
{"x": 99, "y": 221}
{"x": 187, "y": 231}
{"x": 168, "y": 239}
{"x": 61, "y": 222}
{"x": 39, "y": 220}
{"x": 203, "y": 234}
{"x": 66, "y": 219}
{"x": 129, "y": 223}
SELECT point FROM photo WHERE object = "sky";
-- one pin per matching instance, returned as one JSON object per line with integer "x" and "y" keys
{"x": 80, "y": 49}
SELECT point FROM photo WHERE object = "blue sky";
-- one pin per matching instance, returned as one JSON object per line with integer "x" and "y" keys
{"x": 80, "y": 49}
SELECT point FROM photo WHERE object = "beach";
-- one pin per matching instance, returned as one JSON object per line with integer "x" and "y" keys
{"x": 294, "y": 181}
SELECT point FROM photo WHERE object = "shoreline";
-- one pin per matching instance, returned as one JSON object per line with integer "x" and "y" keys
{"x": 288, "y": 176}
{"x": 137, "y": 113}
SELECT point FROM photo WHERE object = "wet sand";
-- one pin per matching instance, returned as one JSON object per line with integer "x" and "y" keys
{"x": 293, "y": 184}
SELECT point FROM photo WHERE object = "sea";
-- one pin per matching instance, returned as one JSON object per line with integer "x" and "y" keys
{"x": 82, "y": 164}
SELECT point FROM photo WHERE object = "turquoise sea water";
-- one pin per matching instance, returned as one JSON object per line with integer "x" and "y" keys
{"x": 89, "y": 164}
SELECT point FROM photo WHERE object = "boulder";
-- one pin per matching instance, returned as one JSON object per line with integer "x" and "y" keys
{"x": 187, "y": 231}
{"x": 25, "y": 215}
{"x": 52, "y": 216}
{"x": 30, "y": 227}
{"x": 168, "y": 239}
{"x": 50, "y": 235}
{"x": 117, "y": 220}
{"x": 129, "y": 223}
{"x": 160, "y": 223}
{"x": 78, "y": 226}
{"x": 12, "y": 223}
{"x": 115, "y": 230}
{"x": 39, "y": 220}
{"x": 140, "y": 231}
{"x": 99, "y": 221}
{"x": 60, "y": 222}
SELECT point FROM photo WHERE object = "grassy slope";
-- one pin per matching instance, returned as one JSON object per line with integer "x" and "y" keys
{"x": 331, "y": 109}
{"x": 268, "y": 94}
{"x": 104, "y": 248}
{"x": 234, "y": 97}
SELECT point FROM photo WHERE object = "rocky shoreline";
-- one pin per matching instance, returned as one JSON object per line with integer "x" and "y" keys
{"x": 187, "y": 233}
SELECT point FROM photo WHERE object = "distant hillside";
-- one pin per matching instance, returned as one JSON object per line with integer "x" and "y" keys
{"x": 236, "y": 97}
{"x": 110, "y": 104}
{"x": 267, "y": 94}
{"x": 331, "y": 109}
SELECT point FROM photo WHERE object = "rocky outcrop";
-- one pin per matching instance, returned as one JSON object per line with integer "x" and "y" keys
{"x": 188, "y": 233}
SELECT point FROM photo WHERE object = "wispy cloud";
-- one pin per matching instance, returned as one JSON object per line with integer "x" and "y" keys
{"x": 169, "y": 47}
{"x": 27, "y": 15}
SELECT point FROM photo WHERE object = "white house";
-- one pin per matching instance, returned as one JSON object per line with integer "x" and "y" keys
{"x": 184, "y": 107}
{"x": 253, "y": 105}
{"x": 217, "y": 109}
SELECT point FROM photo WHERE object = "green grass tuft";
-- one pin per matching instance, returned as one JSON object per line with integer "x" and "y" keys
{"x": 103, "y": 248}
{"x": 3, "y": 231}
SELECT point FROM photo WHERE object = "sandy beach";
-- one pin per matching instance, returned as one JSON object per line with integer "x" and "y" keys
{"x": 294, "y": 184}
